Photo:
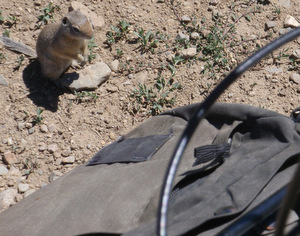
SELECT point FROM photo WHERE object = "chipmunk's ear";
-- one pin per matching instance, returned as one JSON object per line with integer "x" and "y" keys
{"x": 71, "y": 8}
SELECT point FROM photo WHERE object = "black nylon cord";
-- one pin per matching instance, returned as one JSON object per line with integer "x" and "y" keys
{"x": 161, "y": 228}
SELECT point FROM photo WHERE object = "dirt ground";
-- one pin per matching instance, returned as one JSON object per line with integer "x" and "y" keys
{"x": 47, "y": 131}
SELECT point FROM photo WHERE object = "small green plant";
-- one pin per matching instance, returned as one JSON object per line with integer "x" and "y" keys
{"x": 6, "y": 33}
{"x": 38, "y": 118}
{"x": 19, "y": 62}
{"x": 118, "y": 32}
{"x": 148, "y": 40}
{"x": 1, "y": 17}
{"x": 91, "y": 46}
{"x": 47, "y": 15}
{"x": 277, "y": 10}
{"x": 85, "y": 96}
{"x": 155, "y": 98}
{"x": 120, "y": 53}
{"x": 12, "y": 20}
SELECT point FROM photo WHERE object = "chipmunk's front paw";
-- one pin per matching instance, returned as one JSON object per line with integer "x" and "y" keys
{"x": 75, "y": 64}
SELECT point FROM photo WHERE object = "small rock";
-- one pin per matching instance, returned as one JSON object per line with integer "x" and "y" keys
{"x": 10, "y": 142}
{"x": 22, "y": 145}
{"x": 295, "y": 77}
{"x": 18, "y": 197}
{"x": 185, "y": 19}
{"x": 130, "y": 76}
{"x": 7, "y": 198}
{"x": 23, "y": 187}
{"x": 68, "y": 160}
{"x": 271, "y": 24}
{"x": 195, "y": 35}
{"x": 44, "y": 128}
{"x": 112, "y": 135}
{"x": 274, "y": 69}
{"x": 112, "y": 89}
{"x": 37, "y": 2}
{"x": 52, "y": 128}
{"x": 189, "y": 52}
{"x": 214, "y": 2}
{"x": 28, "y": 192}
{"x": 3, "y": 170}
{"x": 182, "y": 36}
{"x": 31, "y": 130}
{"x": 52, "y": 148}
{"x": 21, "y": 125}
{"x": 42, "y": 146}
{"x": 296, "y": 54}
{"x": 87, "y": 79}
{"x": 3, "y": 81}
{"x": 114, "y": 65}
{"x": 9, "y": 158}
{"x": 291, "y": 22}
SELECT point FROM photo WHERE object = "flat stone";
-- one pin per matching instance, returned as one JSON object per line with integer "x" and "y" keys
{"x": 114, "y": 65}
{"x": 89, "y": 78}
{"x": 97, "y": 20}
{"x": 185, "y": 19}
{"x": 182, "y": 36}
{"x": 9, "y": 158}
{"x": 271, "y": 24}
{"x": 195, "y": 35}
{"x": 21, "y": 125}
{"x": 23, "y": 187}
{"x": 214, "y": 2}
{"x": 52, "y": 148}
{"x": 3, "y": 169}
{"x": 68, "y": 160}
{"x": 7, "y": 198}
{"x": 3, "y": 81}
{"x": 295, "y": 77}
{"x": 189, "y": 52}
{"x": 290, "y": 21}
{"x": 296, "y": 54}
{"x": 52, "y": 128}
{"x": 274, "y": 69}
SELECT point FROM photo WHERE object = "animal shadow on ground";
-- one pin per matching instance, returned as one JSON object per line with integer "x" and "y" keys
{"x": 42, "y": 92}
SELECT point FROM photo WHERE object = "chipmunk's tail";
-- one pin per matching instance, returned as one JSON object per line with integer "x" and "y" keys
{"x": 18, "y": 47}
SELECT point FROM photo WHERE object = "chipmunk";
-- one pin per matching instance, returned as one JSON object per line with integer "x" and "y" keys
{"x": 59, "y": 45}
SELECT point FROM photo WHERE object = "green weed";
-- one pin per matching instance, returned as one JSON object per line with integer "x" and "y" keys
{"x": 1, "y": 17}
{"x": 91, "y": 46}
{"x": 38, "y": 117}
{"x": 47, "y": 15}
{"x": 85, "y": 96}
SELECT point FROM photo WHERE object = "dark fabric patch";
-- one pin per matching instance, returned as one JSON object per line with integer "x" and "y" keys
{"x": 129, "y": 150}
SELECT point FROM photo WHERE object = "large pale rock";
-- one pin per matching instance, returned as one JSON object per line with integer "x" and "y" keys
{"x": 88, "y": 78}
{"x": 291, "y": 22}
{"x": 7, "y": 198}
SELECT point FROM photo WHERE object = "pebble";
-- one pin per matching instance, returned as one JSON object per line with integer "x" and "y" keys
{"x": 214, "y": 2}
{"x": 52, "y": 148}
{"x": 195, "y": 35}
{"x": 28, "y": 192}
{"x": 182, "y": 36}
{"x": 130, "y": 76}
{"x": 290, "y": 21}
{"x": 274, "y": 69}
{"x": 90, "y": 78}
{"x": 31, "y": 130}
{"x": 3, "y": 81}
{"x": 52, "y": 128}
{"x": 185, "y": 19}
{"x": 68, "y": 160}
{"x": 114, "y": 65}
{"x": 9, "y": 158}
{"x": 7, "y": 198}
{"x": 10, "y": 142}
{"x": 296, "y": 54}
{"x": 44, "y": 128}
{"x": 23, "y": 187}
{"x": 271, "y": 24}
{"x": 42, "y": 146}
{"x": 295, "y": 77}
{"x": 189, "y": 52}
{"x": 21, "y": 125}
{"x": 22, "y": 145}
{"x": 3, "y": 169}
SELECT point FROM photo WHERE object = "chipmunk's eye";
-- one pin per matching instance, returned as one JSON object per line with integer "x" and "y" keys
{"x": 75, "y": 29}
